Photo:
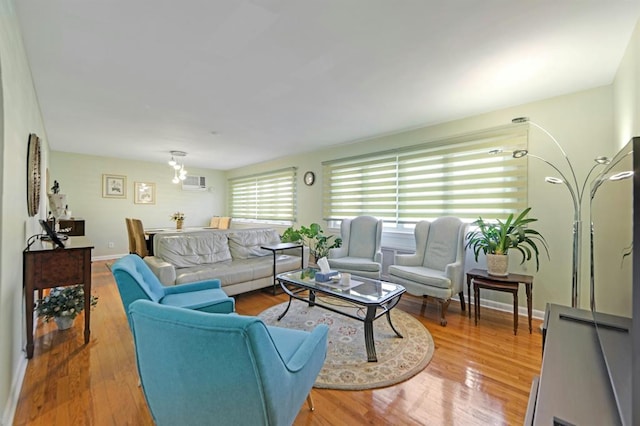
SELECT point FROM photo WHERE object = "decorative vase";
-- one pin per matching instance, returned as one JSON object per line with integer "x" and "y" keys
{"x": 64, "y": 323}
{"x": 179, "y": 223}
{"x": 497, "y": 264}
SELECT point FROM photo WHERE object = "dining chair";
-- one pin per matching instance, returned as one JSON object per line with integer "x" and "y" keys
{"x": 215, "y": 222}
{"x": 130, "y": 232}
{"x": 139, "y": 238}
{"x": 225, "y": 222}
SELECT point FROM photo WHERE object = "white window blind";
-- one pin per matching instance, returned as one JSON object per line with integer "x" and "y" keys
{"x": 266, "y": 196}
{"x": 452, "y": 177}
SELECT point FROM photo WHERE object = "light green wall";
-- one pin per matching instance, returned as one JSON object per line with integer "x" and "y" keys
{"x": 20, "y": 116}
{"x": 80, "y": 179}
{"x": 582, "y": 122}
{"x": 627, "y": 92}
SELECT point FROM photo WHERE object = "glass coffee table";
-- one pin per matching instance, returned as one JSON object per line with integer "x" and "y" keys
{"x": 377, "y": 297}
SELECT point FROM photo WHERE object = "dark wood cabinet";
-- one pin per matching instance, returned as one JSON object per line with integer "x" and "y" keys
{"x": 46, "y": 266}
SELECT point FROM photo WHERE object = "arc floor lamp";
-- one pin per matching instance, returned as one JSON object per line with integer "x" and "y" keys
{"x": 576, "y": 191}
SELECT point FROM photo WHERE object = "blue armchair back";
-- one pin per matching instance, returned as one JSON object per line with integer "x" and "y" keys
{"x": 201, "y": 368}
{"x": 136, "y": 281}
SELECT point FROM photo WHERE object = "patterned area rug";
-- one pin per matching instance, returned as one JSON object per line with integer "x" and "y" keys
{"x": 346, "y": 366}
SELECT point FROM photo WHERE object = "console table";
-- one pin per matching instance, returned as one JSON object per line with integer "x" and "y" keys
{"x": 509, "y": 283}
{"x": 46, "y": 266}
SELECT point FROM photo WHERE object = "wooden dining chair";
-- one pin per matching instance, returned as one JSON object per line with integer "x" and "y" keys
{"x": 225, "y": 223}
{"x": 215, "y": 222}
{"x": 130, "y": 235}
{"x": 139, "y": 239}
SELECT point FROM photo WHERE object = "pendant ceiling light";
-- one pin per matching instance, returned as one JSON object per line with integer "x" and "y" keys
{"x": 179, "y": 172}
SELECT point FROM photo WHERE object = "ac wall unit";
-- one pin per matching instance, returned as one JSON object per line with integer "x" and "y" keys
{"x": 194, "y": 183}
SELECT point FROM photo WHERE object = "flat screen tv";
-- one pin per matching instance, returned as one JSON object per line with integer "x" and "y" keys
{"x": 51, "y": 234}
{"x": 615, "y": 275}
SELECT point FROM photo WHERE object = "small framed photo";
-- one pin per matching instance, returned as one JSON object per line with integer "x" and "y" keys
{"x": 145, "y": 193}
{"x": 114, "y": 186}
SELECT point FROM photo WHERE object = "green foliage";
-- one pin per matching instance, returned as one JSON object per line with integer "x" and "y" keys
{"x": 314, "y": 238}
{"x": 499, "y": 237}
{"x": 63, "y": 302}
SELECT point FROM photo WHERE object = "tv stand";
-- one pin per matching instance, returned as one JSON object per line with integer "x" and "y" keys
{"x": 574, "y": 386}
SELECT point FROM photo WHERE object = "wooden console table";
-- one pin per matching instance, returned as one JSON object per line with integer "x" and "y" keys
{"x": 510, "y": 283}
{"x": 46, "y": 267}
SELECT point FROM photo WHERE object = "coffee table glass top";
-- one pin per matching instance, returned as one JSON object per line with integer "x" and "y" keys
{"x": 364, "y": 290}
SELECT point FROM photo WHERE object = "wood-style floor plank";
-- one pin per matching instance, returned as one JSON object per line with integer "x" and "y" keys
{"x": 479, "y": 375}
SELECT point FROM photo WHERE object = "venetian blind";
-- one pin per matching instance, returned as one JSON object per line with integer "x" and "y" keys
{"x": 266, "y": 196}
{"x": 452, "y": 177}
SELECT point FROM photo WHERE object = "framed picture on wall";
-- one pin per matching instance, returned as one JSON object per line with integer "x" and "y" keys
{"x": 145, "y": 193}
{"x": 114, "y": 186}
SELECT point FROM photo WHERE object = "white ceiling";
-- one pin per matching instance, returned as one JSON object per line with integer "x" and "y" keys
{"x": 138, "y": 78}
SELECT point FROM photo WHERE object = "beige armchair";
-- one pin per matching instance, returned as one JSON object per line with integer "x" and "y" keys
{"x": 436, "y": 269}
{"x": 360, "y": 253}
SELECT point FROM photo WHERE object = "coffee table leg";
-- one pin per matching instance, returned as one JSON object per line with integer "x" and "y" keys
{"x": 369, "y": 343}
{"x": 392, "y": 327}
{"x": 286, "y": 310}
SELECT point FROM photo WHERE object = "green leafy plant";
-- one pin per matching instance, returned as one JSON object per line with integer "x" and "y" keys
{"x": 498, "y": 237}
{"x": 313, "y": 237}
{"x": 63, "y": 302}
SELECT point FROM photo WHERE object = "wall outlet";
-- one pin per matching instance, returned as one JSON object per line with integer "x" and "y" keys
{"x": 111, "y": 244}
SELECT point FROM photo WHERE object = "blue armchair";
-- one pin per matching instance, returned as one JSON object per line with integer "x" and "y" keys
{"x": 198, "y": 368}
{"x": 360, "y": 253}
{"x": 136, "y": 281}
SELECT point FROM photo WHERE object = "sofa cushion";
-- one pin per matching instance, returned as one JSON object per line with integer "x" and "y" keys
{"x": 246, "y": 244}
{"x": 422, "y": 275}
{"x": 238, "y": 271}
{"x": 192, "y": 249}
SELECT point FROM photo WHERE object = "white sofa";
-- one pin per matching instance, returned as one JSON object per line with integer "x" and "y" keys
{"x": 234, "y": 256}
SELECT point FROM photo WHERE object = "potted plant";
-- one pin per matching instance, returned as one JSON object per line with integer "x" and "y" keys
{"x": 496, "y": 238}
{"x": 63, "y": 304}
{"x": 178, "y": 217}
{"x": 313, "y": 237}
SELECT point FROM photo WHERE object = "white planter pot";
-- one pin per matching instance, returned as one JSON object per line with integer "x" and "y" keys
{"x": 498, "y": 264}
{"x": 64, "y": 323}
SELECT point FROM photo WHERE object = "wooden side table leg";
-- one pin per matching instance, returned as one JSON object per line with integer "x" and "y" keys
{"x": 469, "y": 293}
{"x": 476, "y": 302}
{"x": 529, "y": 303}
{"x": 515, "y": 312}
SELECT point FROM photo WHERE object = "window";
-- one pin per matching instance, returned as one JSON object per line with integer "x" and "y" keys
{"x": 452, "y": 177}
{"x": 264, "y": 197}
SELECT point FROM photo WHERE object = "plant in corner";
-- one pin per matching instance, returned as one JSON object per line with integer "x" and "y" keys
{"x": 314, "y": 238}
{"x": 496, "y": 238}
{"x": 63, "y": 304}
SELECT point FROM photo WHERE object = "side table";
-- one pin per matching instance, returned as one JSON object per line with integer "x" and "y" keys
{"x": 274, "y": 248}
{"x": 510, "y": 283}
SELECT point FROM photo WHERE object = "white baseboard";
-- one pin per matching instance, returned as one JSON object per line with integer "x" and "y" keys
{"x": 506, "y": 307}
{"x": 109, "y": 256}
{"x": 14, "y": 394}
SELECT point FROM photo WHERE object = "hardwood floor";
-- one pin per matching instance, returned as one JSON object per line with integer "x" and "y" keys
{"x": 479, "y": 375}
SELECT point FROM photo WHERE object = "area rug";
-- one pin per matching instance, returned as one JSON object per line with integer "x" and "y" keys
{"x": 346, "y": 365}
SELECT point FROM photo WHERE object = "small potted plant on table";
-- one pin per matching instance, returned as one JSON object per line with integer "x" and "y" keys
{"x": 63, "y": 304}
{"x": 313, "y": 237}
{"x": 496, "y": 238}
{"x": 178, "y": 218}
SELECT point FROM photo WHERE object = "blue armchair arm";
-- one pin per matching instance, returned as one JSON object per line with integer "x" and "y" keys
{"x": 196, "y": 286}
{"x": 317, "y": 341}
